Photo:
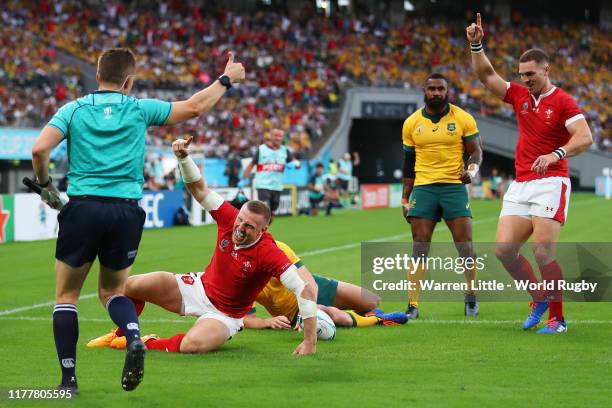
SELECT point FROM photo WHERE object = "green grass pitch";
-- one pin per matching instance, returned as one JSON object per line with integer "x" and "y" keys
{"x": 438, "y": 361}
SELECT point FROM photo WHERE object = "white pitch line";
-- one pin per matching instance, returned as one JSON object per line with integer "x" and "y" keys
{"x": 90, "y": 319}
{"x": 308, "y": 253}
{"x": 420, "y": 321}
{"x": 39, "y": 305}
{"x": 477, "y": 321}
{"x": 383, "y": 239}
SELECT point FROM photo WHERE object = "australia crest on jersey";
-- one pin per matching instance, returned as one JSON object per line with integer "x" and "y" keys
{"x": 451, "y": 127}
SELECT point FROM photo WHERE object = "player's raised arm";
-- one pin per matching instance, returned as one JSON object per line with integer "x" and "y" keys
{"x": 480, "y": 63}
{"x": 196, "y": 184}
{"x": 301, "y": 283}
{"x": 204, "y": 100}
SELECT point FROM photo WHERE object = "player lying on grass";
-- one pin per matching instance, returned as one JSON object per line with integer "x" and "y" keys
{"x": 282, "y": 304}
{"x": 333, "y": 296}
{"x": 244, "y": 260}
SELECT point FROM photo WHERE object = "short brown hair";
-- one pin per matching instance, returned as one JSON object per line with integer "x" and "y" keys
{"x": 115, "y": 65}
{"x": 260, "y": 208}
{"x": 534, "y": 54}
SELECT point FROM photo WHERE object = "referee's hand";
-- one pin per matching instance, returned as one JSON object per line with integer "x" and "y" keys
{"x": 51, "y": 196}
{"x": 234, "y": 70}
{"x": 180, "y": 147}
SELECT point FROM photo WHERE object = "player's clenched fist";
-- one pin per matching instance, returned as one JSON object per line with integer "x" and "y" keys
{"x": 180, "y": 147}
{"x": 234, "y": 70}
{"x": 475, "y": 32}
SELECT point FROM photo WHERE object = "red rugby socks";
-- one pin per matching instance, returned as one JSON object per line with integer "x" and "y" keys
{"x": 171, "y": 345}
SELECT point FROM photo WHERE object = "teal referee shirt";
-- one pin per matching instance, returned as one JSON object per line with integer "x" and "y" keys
{"x": 106, "y": 142}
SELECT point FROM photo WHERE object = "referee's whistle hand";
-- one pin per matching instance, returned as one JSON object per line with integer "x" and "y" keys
{"x": 180, "y": 147}
{"x": 234, "y": 70}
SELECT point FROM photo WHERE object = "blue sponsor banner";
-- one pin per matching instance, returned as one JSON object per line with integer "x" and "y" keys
{"x": 603, "y": 185}
{"x": 296, "y": 176}
{"x": 161, "y": 206}
{"x": 214, "y": 170}
{"x": 16, "y": 144}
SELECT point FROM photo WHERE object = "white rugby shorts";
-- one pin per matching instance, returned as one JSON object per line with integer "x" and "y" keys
{"x": 547, "y": 197}
{"x": 196, "y": 303}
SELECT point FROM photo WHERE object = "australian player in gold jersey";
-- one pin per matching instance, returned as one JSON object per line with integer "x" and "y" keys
{"x": 435, "y": 139}
{"x": 348, "y": 305}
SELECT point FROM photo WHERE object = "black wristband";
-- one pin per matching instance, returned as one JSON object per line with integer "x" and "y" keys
{"x": 560, "y": 153}
{"x": 45, "y": 184}
{"x": 225, "y": 81}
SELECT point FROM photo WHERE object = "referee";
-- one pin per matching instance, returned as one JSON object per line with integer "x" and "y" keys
{"x": 105, "y": 131}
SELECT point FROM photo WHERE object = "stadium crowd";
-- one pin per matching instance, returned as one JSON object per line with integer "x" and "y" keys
{"x": 297, "y": 66}
{"x": 33, "y": 84}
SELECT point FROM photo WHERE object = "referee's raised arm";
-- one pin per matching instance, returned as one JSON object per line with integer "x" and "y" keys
{"x": 204, "y": 100}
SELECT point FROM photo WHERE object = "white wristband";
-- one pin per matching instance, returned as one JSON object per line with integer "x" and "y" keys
{"x": 308, "y": 308}
{"x": 473, "y": 170}
{"x": 189, "y": 170}
{"x": 212, "y": 201}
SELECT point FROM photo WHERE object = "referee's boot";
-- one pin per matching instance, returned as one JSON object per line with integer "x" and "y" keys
{"x": 472, "y": 307}
{"x": 133, "y": 369}
{"x": 69, "y": 386}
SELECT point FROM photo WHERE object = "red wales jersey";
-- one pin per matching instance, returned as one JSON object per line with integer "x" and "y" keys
{"x": 542, "y": 125}
{"x": 236, "y": 275}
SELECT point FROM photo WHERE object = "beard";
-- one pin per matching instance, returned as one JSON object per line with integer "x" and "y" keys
{"x": 436, "y": 103}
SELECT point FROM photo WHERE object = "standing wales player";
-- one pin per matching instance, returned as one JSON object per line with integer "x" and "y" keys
{"x": 551, "y": 127}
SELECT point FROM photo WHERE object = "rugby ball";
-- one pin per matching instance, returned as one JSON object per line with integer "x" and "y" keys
{"x": 326, "y": 329}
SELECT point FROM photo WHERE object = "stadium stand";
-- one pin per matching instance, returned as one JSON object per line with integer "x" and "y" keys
{"x": 298, "y": 67}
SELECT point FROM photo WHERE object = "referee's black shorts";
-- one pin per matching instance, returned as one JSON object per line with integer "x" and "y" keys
{"x": 107, "y": 227}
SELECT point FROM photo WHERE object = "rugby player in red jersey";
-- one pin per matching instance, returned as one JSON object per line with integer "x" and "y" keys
{"x": 551, "y": 127}
{"x": 244, "y": 260}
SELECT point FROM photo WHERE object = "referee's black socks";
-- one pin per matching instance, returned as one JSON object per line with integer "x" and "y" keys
{"x": 66, "y": 333}
{"x": 121, "y": 309}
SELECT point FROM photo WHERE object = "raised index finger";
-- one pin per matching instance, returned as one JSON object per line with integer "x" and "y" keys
{"x": 478, "y": 20}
